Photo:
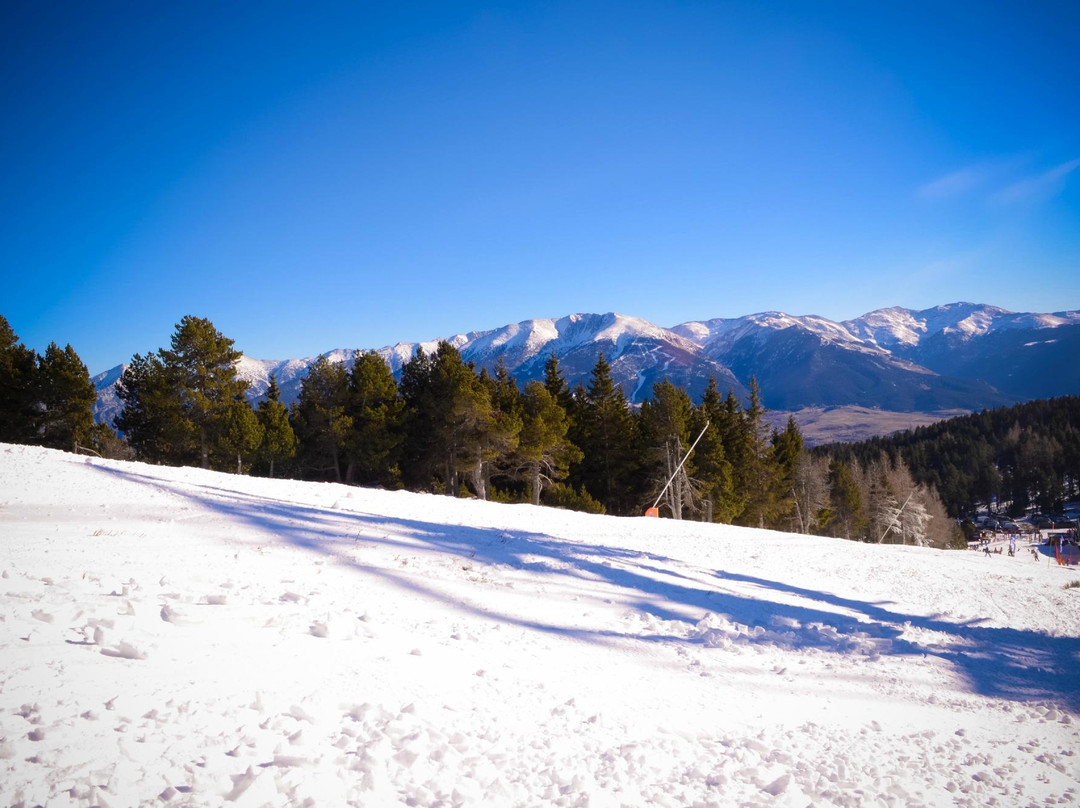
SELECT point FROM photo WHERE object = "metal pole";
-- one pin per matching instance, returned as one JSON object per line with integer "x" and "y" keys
{"x": 895, "y": 518}
{"x": 672, "y": 477}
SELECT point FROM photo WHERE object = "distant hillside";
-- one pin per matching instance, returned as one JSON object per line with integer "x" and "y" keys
{"x": 1009, "y": 459}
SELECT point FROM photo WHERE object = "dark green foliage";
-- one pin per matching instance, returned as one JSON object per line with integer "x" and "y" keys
{"x": 279, "y": 442}
{"x": 561, "y": 495}
{"x": 419, "y": 449}
{"x": 46, "y": 400}
{"x": 373, "y": 445}
{"x": 731, "y": 425}
{"x": 454, "y": 432}
{"x": 500, "y": 432}
{"x": 757, "y": 472}
{"x": 177, "y": 402}
{"x": 19, "y": 412}
{"x": 201, "y": 368}
{"x": 845, "y": 501}
{"x": 712, "y": 469}
{"x": 240, "y": 435}
{"x": 557, "y": 386}
{"x": 152, "y": 420}
{"x": 1011, "y": 459}
{"x": 321, "y": 420}
{"x": 605, "y": 431}
{"x": 544, "y": 451}
{"x": 66, "y": 399}
{"x": 786, "y": 457}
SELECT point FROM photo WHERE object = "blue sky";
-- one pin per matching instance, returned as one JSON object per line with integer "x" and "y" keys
{"x": 313, "y": 176}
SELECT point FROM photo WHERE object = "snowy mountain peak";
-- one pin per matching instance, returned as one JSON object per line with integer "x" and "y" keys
{"x": 726, "y": 332}
{"x": 956, "y": 356}
{"x": 895, "y": 326}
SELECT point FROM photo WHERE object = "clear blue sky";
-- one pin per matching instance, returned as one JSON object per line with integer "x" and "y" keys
{"x": 313, "y": 176}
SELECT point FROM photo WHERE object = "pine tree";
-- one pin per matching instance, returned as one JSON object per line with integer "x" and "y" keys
{"x": 556, "y": 385}
{"x": 66, "y": 398}
{"x": 714, "y": 472}
{"x": 240, "y": 434}
{"x": 19, "y": 412}
{"x": 730, "y": 424}
{"x": 320, "y": 418}
{"x": 665, "y": 432}
{"x": 279, "y": 442}
{"x": 374, "y": 442}
{"x": 464, "y": 406}
{"x": 845, "y": 502}
{"x": 605, "y": 431}
{"x": 201, "y": 366}
{"x": 757, "y": 473}
{"x": 785, "y": 458}
{"x": 152, "y": 420}
{"x": 504, "y": 440}
{"x": 482, "y": 433}
{"x": 544, "y": 452}
{"x": 420, "y": 416}
{"x": 451, "y": 426}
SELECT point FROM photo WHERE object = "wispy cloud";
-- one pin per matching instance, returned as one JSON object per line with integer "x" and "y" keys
{"x": 954, "y": 184}
{"x": 1037, "y": 188}
{"x": 1003, "y": 182}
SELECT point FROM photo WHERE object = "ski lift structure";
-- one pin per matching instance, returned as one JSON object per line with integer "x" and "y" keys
{"x": 654, "y": 511}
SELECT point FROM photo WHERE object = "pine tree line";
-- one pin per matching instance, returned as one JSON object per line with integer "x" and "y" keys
{"x": 48, "y": 400}
{"x": 1009, "y": 460}
{"x": 451, "y": 429}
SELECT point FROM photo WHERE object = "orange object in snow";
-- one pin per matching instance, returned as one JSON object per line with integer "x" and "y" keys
{"x": 653, "y": 512}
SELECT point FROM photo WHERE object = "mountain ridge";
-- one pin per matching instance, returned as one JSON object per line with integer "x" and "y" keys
{"x": 954, "y": 357}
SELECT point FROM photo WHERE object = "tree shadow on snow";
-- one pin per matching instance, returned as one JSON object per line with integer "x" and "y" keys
{"x": 1007, "y": 663}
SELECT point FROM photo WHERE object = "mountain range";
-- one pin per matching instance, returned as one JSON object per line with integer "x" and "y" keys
{"x": 885, "y": 370}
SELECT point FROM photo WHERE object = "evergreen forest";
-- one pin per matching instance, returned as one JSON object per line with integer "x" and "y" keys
{"x": 1009, "y": 461}
{"x": 446, "y": 427}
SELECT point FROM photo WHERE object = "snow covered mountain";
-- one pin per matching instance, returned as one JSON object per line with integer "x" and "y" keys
{"x": 814, "y": 362}
{"x": 960, "y": 356}
{"x": 959, "y": 321}
{"x": 639, "y": 352}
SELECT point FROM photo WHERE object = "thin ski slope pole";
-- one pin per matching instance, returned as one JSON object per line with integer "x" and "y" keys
{"x": 672, "y": 477}
{"x": 896, "y": 518}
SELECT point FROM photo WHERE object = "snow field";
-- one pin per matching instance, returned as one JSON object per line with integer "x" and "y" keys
{"x": 180, "y": 637}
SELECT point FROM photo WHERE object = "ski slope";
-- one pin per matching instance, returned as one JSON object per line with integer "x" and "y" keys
{"x": 181, "y": 637}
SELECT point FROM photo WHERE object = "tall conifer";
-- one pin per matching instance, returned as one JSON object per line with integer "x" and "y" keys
{"x": 66, "y": 398}
{"x": 201, "y": 366}
{"x": 605, "y": 431}
{"x": 279, "y": 442}
{"x": 374, "y": 442}
{"x": 18, "y": 394}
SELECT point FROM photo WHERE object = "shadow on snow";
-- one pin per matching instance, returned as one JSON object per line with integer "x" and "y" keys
{"x": 1006, "y": 663}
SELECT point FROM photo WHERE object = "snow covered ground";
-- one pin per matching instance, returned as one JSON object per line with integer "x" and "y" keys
{"x": 181, "y": 637}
